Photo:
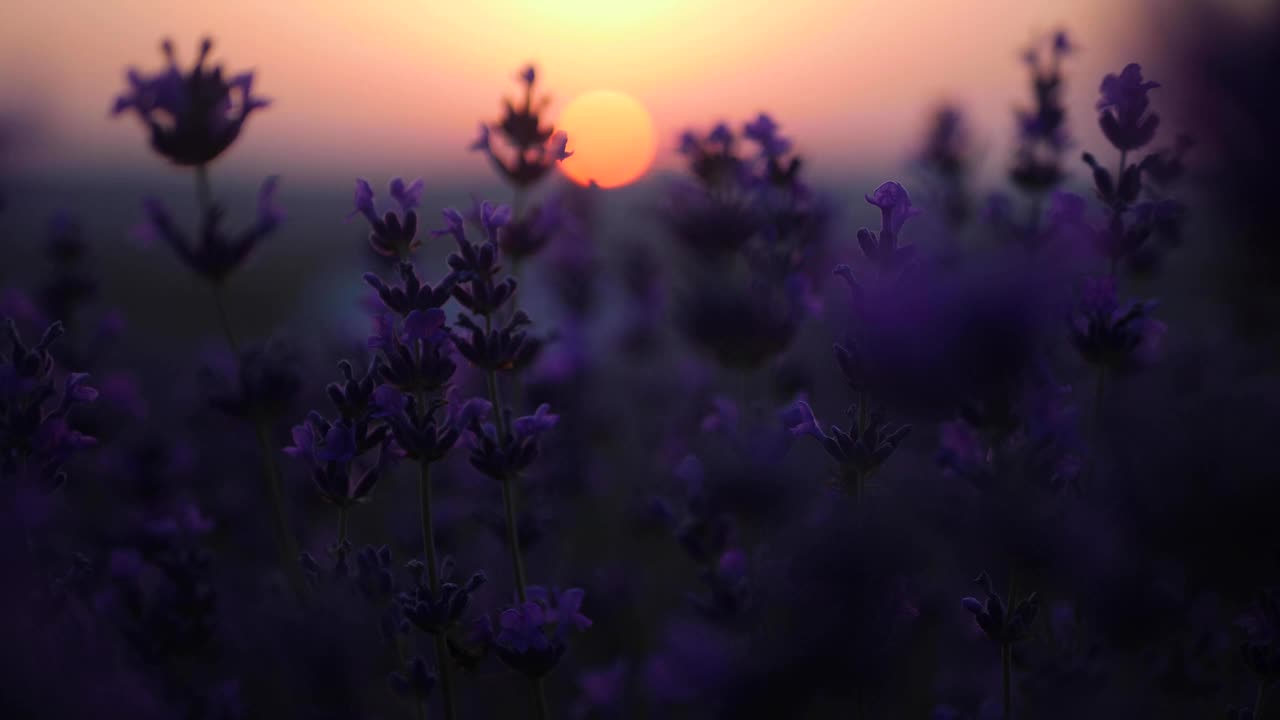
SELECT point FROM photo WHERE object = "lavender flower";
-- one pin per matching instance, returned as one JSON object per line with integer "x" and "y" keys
{"x": 504, "y": 456}
{"x": 36, "y": 437}
{"x": 395, "y": 233}
{"x": 535, "y": 229}
{"x": 1001, "y": 623}
{"x": 438, "y": 612}
{"x": 216, "y": 254}
{"x": 1120, "y": 338}
{"x": 895, "y": 209}
{"x": 509, "y": 348}
{"x": 860, "y": 451}
{"x": 1123, "y": 109}
{"x": 947, "y": 156}
{"x": 476, "y": 265}
{"x": 192, "y": 117}
{"x": 531, "y": 637}
{"x": 263, "y": 383}
{"x": 531, "y": 156}
{"x": 1042, "y": 133}
{"x": 331, "y": 450}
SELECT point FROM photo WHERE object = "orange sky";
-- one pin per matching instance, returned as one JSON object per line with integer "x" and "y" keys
{"x": 397, "y": 86}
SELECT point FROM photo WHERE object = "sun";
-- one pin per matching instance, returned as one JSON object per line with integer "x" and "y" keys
{"x": 611, "y": 136}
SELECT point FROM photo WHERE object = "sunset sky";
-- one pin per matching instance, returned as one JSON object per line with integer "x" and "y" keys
{"x": 397, "y": 87}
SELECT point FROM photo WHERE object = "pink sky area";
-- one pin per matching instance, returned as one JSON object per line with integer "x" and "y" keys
{"x": 397, "y": 87}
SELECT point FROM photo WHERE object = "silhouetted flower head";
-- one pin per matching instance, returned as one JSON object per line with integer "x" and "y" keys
{"x": 416, "y": 352}
{"x": 860, "y": 451}
{"x": 335, "y": 454}
{"x": 412, "y": 294}
{"x": 948, "y": 156}
{"x": 422, "y": 433}
{"x": 193, "y": 117}
{"x": 1042, "y": 128}
{"x": 509, "y": 348}
{"x": 1002, "y": 624}
{"x": 374, "y": 575}
{"x": 533, "y": 148}
{"x": 436, "y": 613}
{"x": 70, "y": 284}
{"x": 1123, "y": 109}
{"x": 535, "y": 229}
{"x": 36, "y": 437}
{"x": 764, "y": 132}
{"x": 476, "y": 265}
{"x": 264, "y": 384}
{"x": 504, "y": 456}
{"x": 1121, "y": 338}
{"x": 531, "y": 637}
{"x": 895, "y": 209}
{"x": 743, "y": 323}
{"x": 216, "y": 254}
{"x": 394, "y": 234}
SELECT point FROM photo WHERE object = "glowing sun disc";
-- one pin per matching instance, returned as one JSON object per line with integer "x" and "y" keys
{"x": 611, "y": 136}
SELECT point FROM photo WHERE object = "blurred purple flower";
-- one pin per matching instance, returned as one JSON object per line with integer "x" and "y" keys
{"x": 216, "y": 255}
{"x": 395, "y": 233}
{"x": 1123, "y": 109}
{"x": 194, "y": 117}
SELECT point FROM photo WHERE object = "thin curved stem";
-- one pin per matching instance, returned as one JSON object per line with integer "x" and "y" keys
{"x": 513, "y": 531}
{"x": 285, "y": 546}
{"x": 433, "y": 577}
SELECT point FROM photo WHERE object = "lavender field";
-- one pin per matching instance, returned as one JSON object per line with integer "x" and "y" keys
{"x": 619, "y": 420}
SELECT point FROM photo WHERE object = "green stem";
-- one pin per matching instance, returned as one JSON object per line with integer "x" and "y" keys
{"x": 433, "y": 576}
{"x": 280, "y": 524}
{"x": 285, "y": 546}
{"x": 204, "y": 195}
{"x": 342, "y": 527}
{"x": 513, "y": 539}
{"x": 513, "y": 531}
{"x": 1257, "y": 701}
{"x": 540, "y": 696}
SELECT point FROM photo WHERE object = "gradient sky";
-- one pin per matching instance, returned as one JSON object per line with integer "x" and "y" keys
{"x": 396, "y": 87}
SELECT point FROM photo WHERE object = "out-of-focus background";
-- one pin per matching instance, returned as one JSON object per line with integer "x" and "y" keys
{"x": 397, "y": 87}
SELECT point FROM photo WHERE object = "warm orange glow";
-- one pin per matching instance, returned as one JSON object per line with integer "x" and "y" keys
{"x": 611, "y": 136}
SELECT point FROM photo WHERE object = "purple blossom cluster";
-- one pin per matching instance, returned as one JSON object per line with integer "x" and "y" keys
{"x": 569, "y": 472}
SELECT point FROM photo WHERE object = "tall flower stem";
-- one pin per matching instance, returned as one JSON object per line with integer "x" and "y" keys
{"x": 433, "y": 577}
{"x": 285, "y": 544}
{"x": 1257, "y": 701}
{"x": 513, "y": 530}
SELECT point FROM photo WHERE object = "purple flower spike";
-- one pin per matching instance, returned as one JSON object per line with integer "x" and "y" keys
{"x": 407, "y": 197}
{"x": 423, "y": 324}
{"x": 388, "y": 401}
{"x": 528, "y": 75}
{"x": 1124, "y": 118}
{"x": 393, "y": 234}
{"x": 193, "y": 117}
{"x": 462, "y": 414}
{"x": 895, "y": 207}
{"x": 800, "y": 420}
{"x": 539, "y": 422}
{"x": 364, "y": 201}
